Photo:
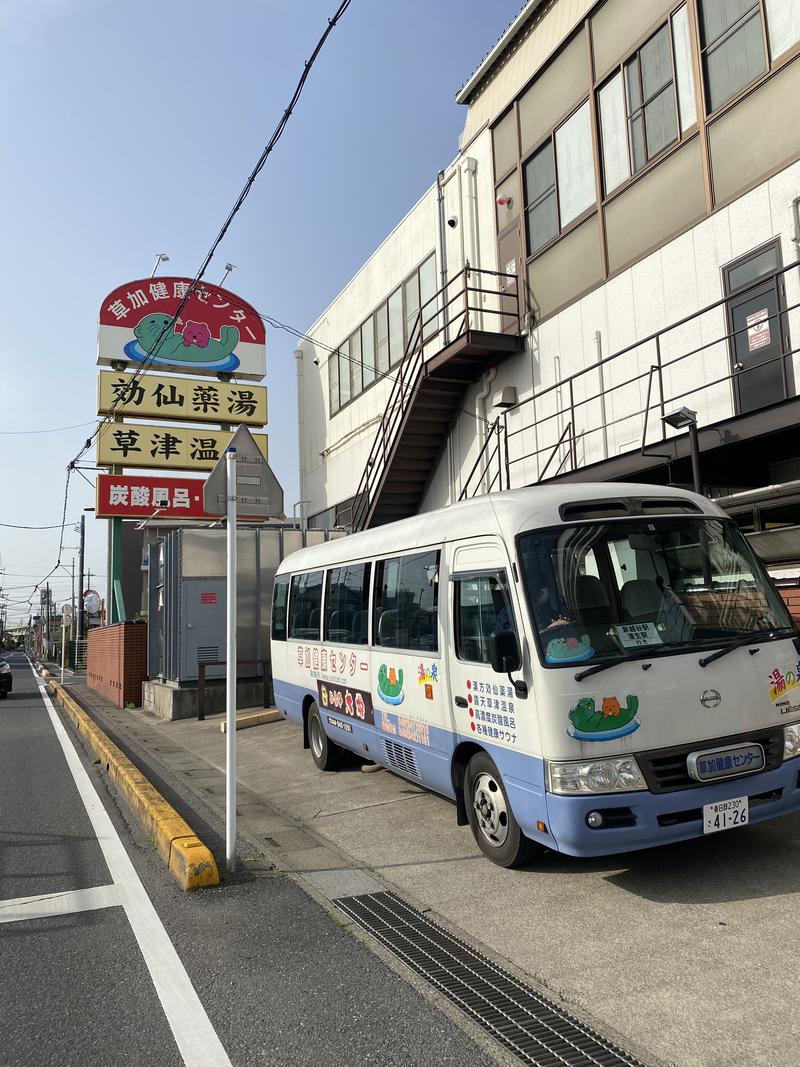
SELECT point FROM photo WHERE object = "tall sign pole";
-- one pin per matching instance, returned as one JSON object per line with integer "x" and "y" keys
{"x": 240, "y": 478}
{"x": 231, "y": 672}
{"x": 81, "y": 587}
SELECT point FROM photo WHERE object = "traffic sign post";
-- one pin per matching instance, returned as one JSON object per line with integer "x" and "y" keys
{"x": 240, "y": 478}
{"x": 230, "y": 667}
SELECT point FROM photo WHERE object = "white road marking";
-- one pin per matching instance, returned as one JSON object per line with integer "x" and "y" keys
{"x": 196, "y": 1038}
{"x": 47, "y": 904}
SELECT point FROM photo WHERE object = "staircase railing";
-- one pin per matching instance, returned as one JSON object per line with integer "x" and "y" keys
{"x": 442, "y": 319}
{"x": 491, "y": 451}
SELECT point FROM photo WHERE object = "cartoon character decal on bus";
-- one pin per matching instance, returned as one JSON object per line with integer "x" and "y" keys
{"x": 569, "y": 649}
{"x": 390, "y": 684}
{"x": 611, "y": 720}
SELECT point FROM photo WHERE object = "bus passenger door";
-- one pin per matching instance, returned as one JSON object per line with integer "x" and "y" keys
{"x": 484, "y": 704}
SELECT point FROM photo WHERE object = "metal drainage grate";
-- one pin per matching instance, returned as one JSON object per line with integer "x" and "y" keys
{"x": 533, "y": 1027}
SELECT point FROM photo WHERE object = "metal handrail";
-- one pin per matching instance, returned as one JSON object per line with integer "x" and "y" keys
{"x": 495, "y": 429}
{"x": 411, "y": 368}
{"x": 658, "y": 367}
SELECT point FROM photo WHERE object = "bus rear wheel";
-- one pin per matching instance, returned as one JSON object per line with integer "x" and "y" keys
{"x": 494, "y": 827}
{"x": 326, "y": 754}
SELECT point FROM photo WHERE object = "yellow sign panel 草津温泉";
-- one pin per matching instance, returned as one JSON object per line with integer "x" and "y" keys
{"x": 180, "y": 448}
{"x": 157, "y": 396}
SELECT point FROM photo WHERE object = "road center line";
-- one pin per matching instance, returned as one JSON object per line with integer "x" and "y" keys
{"x": 196, "y": 1038}
{"x": 67, "y": 903}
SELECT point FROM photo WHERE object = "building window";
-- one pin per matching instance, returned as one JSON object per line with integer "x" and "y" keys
{"x": 783, "y": 25}
{"x": 559, "y": 180}
{"x": 732, "y": 44}
{"x": 406, "y": 599}
{"x": 380, "y": 342}
{"x": 648, "y": 103}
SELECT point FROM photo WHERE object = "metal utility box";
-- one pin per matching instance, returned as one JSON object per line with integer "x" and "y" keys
{"x": 187, "y": 597}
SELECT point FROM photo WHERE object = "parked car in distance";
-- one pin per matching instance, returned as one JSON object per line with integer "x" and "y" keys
{"x": 5, "y": 679}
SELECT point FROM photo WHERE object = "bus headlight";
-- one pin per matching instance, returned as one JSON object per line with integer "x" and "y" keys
{"x": 791, "y": 740}
{"x": 618, "y": 775}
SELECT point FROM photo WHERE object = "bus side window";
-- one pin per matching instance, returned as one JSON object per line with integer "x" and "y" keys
{"x": 481, "y": 608}
{"x": 406, "y": 602}
{"x": 306, "y": 599}
{"x": 280, "y": 597}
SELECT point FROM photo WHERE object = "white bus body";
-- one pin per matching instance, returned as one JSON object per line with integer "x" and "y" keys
{"x": 656, "y": 695}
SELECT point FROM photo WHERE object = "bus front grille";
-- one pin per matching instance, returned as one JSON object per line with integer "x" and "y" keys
{"x": 665, "y": 769}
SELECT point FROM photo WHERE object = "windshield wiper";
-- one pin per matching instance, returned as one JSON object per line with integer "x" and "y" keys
{"x": 756, "y": 635}
{"x": 645, "y": 653}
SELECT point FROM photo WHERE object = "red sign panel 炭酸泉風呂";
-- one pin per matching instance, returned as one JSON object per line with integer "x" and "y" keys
{"x": 216, "y": 331}
{"x": 131, "y": 496}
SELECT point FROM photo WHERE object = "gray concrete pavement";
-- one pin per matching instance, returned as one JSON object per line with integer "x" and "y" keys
{"x": 686, "y": 953}
{"x": 281, "y": 983}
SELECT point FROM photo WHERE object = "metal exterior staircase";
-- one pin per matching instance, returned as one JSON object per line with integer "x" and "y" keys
{"x": 447, "y": 351}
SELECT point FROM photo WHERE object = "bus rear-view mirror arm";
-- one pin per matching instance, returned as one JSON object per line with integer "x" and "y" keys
{"x": 504, "y": 656}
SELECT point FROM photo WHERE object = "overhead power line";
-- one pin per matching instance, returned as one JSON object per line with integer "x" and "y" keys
{"x": 261, "y": 162}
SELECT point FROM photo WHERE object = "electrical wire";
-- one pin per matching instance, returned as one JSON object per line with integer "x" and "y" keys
{"x": 13, "y": 526}
{"x": 261, "y": 162}
{"x": 52, "y": 429}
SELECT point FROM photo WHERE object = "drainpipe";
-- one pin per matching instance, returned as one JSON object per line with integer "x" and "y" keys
{"x": 483, "y": 423}
{"x": 442, "y": 245}
{"x": 598, "y": 344}
{"x": 298, "y": 355}
{"x": 470, "y": 166}
{"x": 795, "y": 238}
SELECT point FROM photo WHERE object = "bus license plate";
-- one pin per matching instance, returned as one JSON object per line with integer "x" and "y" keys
{"x": 725, "y": 814}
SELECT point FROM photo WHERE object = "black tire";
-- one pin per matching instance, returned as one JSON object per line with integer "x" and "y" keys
{"x": 494, "y": 827}
{"x": 326, "y": 753}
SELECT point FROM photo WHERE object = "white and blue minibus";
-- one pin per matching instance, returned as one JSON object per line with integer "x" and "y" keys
{"x": 586, "y": 668}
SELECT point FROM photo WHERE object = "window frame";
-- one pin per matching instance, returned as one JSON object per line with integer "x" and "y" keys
{"x": 343, "y": 353}
{"x": 684, "y": 136}
{"x": 368, "y": 576}
{"x": 573, "y": 224}
{"x": 500, "y": 574}
{"x": 284, "y": 580}
{"x": 379, "y": 562}
{"x": 298, "y": 576}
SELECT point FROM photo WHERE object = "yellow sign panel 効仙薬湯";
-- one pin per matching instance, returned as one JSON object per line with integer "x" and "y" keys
{"x": 161, "y": 447}
{"x": 158, "y": 396}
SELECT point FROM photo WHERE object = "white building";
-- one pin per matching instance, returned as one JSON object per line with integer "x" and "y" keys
{"x": 617, "y": 240}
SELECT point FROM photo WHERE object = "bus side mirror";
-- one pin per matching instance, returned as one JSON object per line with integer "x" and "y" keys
{"x": 504, "y": 651}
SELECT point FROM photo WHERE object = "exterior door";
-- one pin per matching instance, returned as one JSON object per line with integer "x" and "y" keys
{"x": 759, "y": 342}
{"x": 485, "y": 705}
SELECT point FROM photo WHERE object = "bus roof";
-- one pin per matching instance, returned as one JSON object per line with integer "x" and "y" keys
{"x": 506, "y": 514}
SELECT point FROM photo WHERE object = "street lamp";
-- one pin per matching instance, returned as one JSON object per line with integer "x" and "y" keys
{"x": 162, "y": 257}
{"x": 685, "y": 418}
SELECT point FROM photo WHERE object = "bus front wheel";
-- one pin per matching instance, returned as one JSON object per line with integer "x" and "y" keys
{"x": 493, "y": 824}
{"x": 326, "y": 754}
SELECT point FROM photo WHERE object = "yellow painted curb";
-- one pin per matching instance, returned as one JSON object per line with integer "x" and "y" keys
{"x": 255, "y": 718}
{"x": 187, "y": 857}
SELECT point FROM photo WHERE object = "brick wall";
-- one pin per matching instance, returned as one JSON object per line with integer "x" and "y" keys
{"x": 116, "y": 662}
{"x": 791, "y": 594}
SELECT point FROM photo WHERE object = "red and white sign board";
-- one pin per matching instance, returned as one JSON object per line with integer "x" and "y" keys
{"x": 132, "y": 496}
{"x": 216, "y": 331}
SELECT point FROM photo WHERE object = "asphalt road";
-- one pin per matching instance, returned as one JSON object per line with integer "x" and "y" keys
{"x": 255, "y": 972}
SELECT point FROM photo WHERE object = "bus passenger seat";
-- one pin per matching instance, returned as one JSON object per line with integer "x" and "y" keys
{"x": 641, "y": 599}
{"x": 591, "y": 601}
{"x": 387, "y": 629}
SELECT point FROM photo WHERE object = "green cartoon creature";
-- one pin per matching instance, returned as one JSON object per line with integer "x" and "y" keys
{"x": 194, "y": 346}
{"x": 390, "y": 684}
{"x": 611, "y": 720}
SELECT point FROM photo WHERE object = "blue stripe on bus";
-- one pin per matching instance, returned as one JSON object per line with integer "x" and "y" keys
{"x": 565, "y": 816}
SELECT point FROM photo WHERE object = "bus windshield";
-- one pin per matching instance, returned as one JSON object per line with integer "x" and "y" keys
{"x": 609, "y": 590}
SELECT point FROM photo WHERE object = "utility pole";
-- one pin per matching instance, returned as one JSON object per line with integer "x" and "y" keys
{"x": 47, "y": 617}
{"x": 81, "y": 550}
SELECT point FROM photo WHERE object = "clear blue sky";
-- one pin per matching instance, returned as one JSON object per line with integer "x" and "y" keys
{"x": 128, "y": 129}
